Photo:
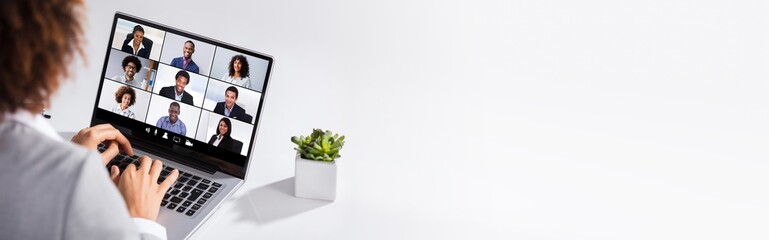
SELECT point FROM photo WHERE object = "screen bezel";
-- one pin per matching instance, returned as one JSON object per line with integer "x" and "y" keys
{"x": 202, "y": 156}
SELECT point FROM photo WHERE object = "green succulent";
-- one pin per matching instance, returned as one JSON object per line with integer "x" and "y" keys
{"x": 319, "y": 145}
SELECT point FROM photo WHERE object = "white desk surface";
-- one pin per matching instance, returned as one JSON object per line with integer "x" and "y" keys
{"x": 492, "y": 119}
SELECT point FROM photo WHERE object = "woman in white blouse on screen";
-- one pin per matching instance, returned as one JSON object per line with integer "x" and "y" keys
{"x": 125, "y": 97}
{"x": 239, "y": 70}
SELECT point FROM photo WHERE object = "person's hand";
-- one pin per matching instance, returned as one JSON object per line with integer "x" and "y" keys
{"x": 115, "y": 141}
{"x": 140, "y": 190}
{"x": 114, "y": 174}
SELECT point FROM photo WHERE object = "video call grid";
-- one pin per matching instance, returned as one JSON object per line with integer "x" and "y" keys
{"x": 154, "y": 76}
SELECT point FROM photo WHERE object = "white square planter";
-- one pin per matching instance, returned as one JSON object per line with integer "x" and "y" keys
{"x": 315, "y": 179}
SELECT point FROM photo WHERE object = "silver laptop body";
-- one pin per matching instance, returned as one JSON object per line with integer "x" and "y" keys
{"x": 205, "y": 145}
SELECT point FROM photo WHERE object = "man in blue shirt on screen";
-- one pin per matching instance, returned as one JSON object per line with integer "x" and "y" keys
{"x": 172, "y": 123}
{"x": 185, "y": 61}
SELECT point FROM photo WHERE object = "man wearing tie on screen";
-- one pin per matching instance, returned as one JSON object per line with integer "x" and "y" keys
{"x": 172, "y": 123}
{"x": 177, "y": 92}
{"x": 185, "y": 61}
{"x": 229, "y": 108}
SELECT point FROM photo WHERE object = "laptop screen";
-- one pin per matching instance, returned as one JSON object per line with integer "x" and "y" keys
{"x": 193, "y": 98}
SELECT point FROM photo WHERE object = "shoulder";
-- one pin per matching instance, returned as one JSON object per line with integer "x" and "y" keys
{"x": 60, "y": 179}
{"x": 41, "y": 155}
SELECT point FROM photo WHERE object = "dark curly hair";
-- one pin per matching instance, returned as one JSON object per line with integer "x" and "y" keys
{"x": 133, "y": 59}
{"x": 184, "y": 74}
{"x": 38, "y": 36}
{"x": 244, "y": 70}
{"x": 123, "y": 91}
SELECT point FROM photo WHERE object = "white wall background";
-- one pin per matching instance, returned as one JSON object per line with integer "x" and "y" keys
{"x": 124, "y": 27}
{"x": 196, "y": 86}
{"x": 209, "y": 122}
{"x": 257, "y": 67}
{"x": 115, "y": 66}
{"x": 107, "y": 102}
{"x": 497, "y": 119}
{"x": 188, "y": 114}
{"x": 174, "y": 48}
{"x": 247, "y": 99}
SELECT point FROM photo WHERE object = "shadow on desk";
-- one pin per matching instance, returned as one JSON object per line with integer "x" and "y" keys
{"x": 276, "y": 201}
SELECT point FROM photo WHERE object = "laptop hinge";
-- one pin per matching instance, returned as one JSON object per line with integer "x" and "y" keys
{"x": 177, "y": 154}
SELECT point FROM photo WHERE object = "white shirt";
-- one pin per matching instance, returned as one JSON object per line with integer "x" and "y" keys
{"x": 178, "y": 97}
{"x": 131, "y": 44}
{"x": 218, "y": 139}
{"x": 37, "y": 122}
{"x": 127, "y": 112}
{"x": 227, "y": 111}
{"x": 140, "y": 84}
{"x": 243, "y": 82}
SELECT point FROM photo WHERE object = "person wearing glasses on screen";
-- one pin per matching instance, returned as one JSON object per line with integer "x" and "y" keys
{"x": 136, "y": 44}
{"x": 177, "y": 92}
{"x": 239, "y": 72}
{"x": 185, "y": 62}
{"x": 125, "y": 97}
{"x": 172, "y": 123}
{"x": 131, "y": 66}
{"x": 230, "y": 108}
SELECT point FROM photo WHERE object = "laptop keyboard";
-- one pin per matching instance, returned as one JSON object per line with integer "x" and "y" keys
{"x": 187, "y": 195}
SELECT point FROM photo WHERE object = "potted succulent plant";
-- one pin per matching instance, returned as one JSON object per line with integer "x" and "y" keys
{"x": 315, "y": 170}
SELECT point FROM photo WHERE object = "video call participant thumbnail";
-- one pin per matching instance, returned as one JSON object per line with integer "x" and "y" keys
{"x": 125, "y": 97}
{"x": 222, "y": 138}
{"x": 239, "y": 72}
{"x": 172, "y": 123}
{"x": 185, "y": 62}
{"x": 136, "y": 44}
{"x": 230, "y": 108}
{"x": 131, "y": 65}
{"x": 177, "y": 92}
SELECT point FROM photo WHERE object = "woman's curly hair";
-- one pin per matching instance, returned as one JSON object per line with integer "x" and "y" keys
{"x": 244, "y": 70}
{"x": 123, "y": 91}
{"x": 39, "y": 38}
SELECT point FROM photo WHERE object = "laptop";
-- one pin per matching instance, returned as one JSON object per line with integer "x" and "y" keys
{"x": 191, "y": 101}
